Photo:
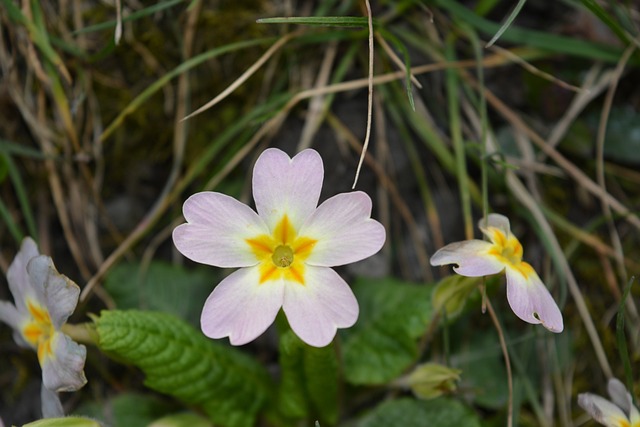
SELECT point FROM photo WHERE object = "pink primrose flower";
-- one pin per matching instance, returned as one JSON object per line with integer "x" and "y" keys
{"x": 620, "y": 412}
{"x": 284, "y": 251}
{"x": 44, "y": 300}
{"x": 527, "y": 295}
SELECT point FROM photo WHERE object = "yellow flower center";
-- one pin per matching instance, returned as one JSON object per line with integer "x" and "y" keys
{"x": 508, "y": 250}
{"x": 282, "y": 254}
{"x": 39, "y": 330}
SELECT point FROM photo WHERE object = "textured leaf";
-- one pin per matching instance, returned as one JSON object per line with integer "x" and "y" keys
{"x": 407, "y": 412}
{"x": 383, "y": 343}
{"x": 178, "y": 360}
{"x": 162, "y": 287}
{"x": 309, "y": 384}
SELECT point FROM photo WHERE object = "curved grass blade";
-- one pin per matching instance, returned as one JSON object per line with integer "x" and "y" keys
{"x": 512, "y": 16}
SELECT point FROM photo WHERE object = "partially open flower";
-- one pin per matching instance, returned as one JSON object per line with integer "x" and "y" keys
{"x": 527, "y": 295}
{"x": 44, "y": 299}
{"x": 284, "y": 251}
{"x": 620, "y": 412}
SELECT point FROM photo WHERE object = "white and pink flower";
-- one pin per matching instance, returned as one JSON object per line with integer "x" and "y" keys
{"x": 527, "y": 295}
{"x": 44, "y": 300}
{"x": 285, "y": 251}
{"x": 619, "y": 412}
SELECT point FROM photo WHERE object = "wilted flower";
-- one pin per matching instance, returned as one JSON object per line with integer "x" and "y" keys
{"x": 285, "y": 251}
{"x": 527, "y": 295}
{"x": 619, "y": 413}
{"x": 44, "y": 299}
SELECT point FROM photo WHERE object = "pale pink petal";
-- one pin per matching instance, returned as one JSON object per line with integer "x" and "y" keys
{"x": 17, "y": 276}
{"x": 494, "y": 220}
{"x": 216, "y": 231}
{"x": 50, "y": 403}
{"x": 531, "y": 301}
{"x": 621, "y": 397}
{"x": 344, "y": 230}
{"x": 602, "y": 410}
{"x": 316, "y": 309}
{"x": 64, "y": 369}
{"x": 471, "y": 256}
{"x": 284, "y": 186}
{"x": 60, "y": 292}
{"x": 241, "y": 307}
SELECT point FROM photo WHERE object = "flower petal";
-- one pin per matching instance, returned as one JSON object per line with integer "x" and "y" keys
{"x": 471, "y": 256}
{"x": 10, "y": 315}
{"x": 240, "y": 307}
{"x": 316, "y": 309}
{"x": 50, "y": 402}
{"x": 61, "y": 293}
{"x": 17, "y": 276}
{"x": 284, "y": 186}
{"x": 494, "y": 220}
{"x": 602, "y": 410}
{"x": 621, "y": 397}
{"x": 344, "y": 230}
{"x": 216, "y": 230}
{"x": 64, "y": 369}
{"x": 531, "y": 301}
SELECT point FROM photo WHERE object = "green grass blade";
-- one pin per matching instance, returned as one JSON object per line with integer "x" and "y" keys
{"x": 320, "y": 21}
{"x": 132, "y": 17}
{"x": 512, "y": 16}
{"x": 622, "y": 341}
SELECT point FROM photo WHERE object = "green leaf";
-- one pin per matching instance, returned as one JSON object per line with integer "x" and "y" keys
{"x": 186, "y": 419}
{"x": 325, "y": 21}
{"x": 407, "y": 412}
{"x": 179, "y": 361}
{"x": 126, "y": 409}
{"x": 309, "y": 386}
{"x": 383, "y": 343}
{"x": 452, "y": 292}
{"x": 161, "y": 287}
{"x": 64, "y": 422}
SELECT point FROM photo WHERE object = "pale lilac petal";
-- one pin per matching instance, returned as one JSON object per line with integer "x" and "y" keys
{"x": 240, "y": 307}
{"x": 60, "y": 292}
{"x": 344, "y": 230}
{"x": 284, "y": 186}
{"x": 17, "y": 276}
{"x": 64, "y": 369}
{"x": 50, "y": 403}
{"x": 10, "y": 315}
{"x": 316, "y": 309}
{"x": 216, "y": 231}
{"x": 471, "y": 256}
{"x": 602, "y": 410}
{"x": 531, "y": 301}
{"x": 619, "y": 394}
{"x": 494, "y": 220}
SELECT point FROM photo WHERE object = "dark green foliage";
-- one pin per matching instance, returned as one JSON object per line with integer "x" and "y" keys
{"x": 407, "y": 412}
{"x": 177, "y": 360}
{"x": 383, "y": 343}
{"x": 309, "y": 385}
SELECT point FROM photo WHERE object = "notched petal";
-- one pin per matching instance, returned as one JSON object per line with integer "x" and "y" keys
{"x": 285, "y": 186}
{"x": 470, "y": 256}
{"x": 60, "y": 292}
{"x": 531, "y": 301}
{"x": 241, "y": 307}
{"x": 343, "y": 230}
{"x": 217, "y": 229}
{"x": 64, "y": 369}
{"x": 322, "y": 305}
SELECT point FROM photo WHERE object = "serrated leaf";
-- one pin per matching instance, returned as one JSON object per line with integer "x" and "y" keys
{"x": 383, "y": 343}
{"x": 161, "y": 286}
{"x": 309, "y": 384}
{"x": 407, "y": 412}
{"x": 179, "y": 361}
